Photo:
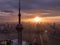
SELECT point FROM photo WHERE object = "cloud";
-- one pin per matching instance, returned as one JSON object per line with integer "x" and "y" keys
{"x": 29, "y": 4}
{"x": 32, "y": 7}
{"x": 40, "y": 4}
{"x": 8, "y": 4}
{"x": 41, "y": 13}
{"x": 7, "y": 11}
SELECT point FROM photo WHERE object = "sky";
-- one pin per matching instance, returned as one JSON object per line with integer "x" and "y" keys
{"x": 47, "y": 9}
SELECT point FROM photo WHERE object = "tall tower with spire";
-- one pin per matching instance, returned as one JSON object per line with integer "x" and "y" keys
{"x": 19, "y": 27}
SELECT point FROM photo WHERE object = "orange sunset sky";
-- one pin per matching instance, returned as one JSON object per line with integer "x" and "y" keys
{"x": 48, "y": 10}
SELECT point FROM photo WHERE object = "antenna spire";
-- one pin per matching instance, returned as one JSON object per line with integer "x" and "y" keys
{"x": 19, "y": 13}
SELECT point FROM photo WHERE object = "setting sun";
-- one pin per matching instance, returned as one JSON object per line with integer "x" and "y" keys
{"x": 37, "y": 19}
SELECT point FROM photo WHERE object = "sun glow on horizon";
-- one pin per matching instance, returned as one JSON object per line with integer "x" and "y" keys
{"x": 37, "y": 19}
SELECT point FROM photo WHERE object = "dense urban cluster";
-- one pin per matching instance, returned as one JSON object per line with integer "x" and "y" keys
{"x": 33, "y": 34}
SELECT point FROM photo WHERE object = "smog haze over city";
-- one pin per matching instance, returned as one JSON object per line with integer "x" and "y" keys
{"x": 39, "y": 24}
